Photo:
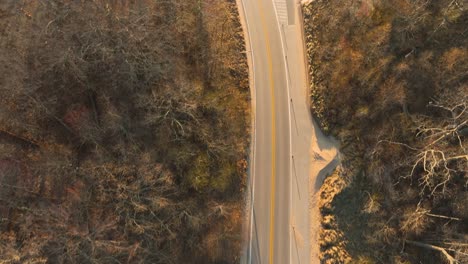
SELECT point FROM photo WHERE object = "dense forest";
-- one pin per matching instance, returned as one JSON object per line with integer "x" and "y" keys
{"x": 389, "y": 80}
{"x": 123, "y": 131}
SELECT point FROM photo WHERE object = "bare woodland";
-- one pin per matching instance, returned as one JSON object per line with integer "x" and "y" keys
{"x": 123, "y": 131}
{"x": 389, "y": 79}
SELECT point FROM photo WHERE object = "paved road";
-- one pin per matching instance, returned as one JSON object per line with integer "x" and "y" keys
{"x": 270, "y": 170}
{"x": 289, "y": 152}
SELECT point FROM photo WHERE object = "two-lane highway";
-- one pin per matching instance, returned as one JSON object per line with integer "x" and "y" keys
{"x": 270, "y": 172}
{"x": 290, "y": 156}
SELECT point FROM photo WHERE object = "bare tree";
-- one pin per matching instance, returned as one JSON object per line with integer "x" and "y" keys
{"x": 441, "y": 152}
{"x": 444, "y": 151}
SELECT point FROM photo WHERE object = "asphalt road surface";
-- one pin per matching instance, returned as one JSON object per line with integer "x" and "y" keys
{"x": 270, "y": 170}
{"x": 290, "y": 156}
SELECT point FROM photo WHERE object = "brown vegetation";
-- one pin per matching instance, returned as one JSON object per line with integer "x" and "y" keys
{"x": 123, "y": 131}
{"x": 389, "y": 79}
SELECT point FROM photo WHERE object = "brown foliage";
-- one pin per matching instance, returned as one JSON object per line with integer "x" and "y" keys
{"x": 106, "y": 107}
{"x": 388, "y": 78}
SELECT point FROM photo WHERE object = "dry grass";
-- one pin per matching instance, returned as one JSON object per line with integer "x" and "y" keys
{"x": 331, "y": 238}
{"x": 388, "y": 78}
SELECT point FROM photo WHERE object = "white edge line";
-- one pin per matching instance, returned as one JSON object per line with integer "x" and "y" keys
{"x": 286, "y": 67}
{"x": 253, "y": 99}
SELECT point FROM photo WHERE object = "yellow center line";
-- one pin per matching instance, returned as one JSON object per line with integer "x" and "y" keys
{"x": 273, "y": 133}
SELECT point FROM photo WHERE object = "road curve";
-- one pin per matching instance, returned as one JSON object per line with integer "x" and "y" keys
{"x": 290, "y": 156}
{"x": 270, "y": 167}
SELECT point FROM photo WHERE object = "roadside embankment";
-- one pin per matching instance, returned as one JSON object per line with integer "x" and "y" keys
{"x": 388, "y": 80}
